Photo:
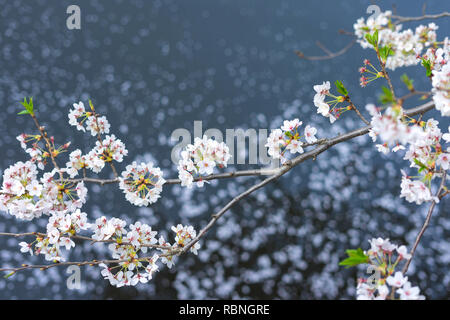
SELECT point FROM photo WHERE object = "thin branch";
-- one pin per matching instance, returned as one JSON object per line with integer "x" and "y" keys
{"x": 357, "y": 111}
{"x": 325, "y": 49}
{"x": 330, "y": 55}
{"x": 116, "y": 175}
{"x": 412, "y": 94}
{"x": 401, "y": 19}
{"x": 102, "y": 182}
{"x": 47, "y": 143}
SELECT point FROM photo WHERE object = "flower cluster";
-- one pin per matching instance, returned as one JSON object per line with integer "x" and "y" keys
{"x": 131, "y": 275}
{"x": 329, "y": 108}
{"x": 429, "y": 157}
{"x": 405, "y": 45}
{"x": 383, "y": 284}
{"x": 435, "y": 59}
{"x": 104, "y": 229}
{"x": 21, "y": 191}
{"x": 110, "y": 149}
{"x": 392, "y": 128}
{"x": 288, "y": 138}
{"x": 125, "y": 248}
{"x": 441, "y": 87}
{"x": 79, "y": 117}
{"x": 104, "y": 151}
{"x": 142, "y": 183}
{"x": 425, "y": 151}
{"x": 322, "y": 91}
{"x": 25, "y": 197}
{"x": 37, "y": 153}
{"x": 369, "y": 73}
{"x": 77, "y": 162}
{"x": 60, "y": 228}
{"x": 184, "y": 235}
{"x": 200, "y": 158}
{"x": 415, "y": 190}
{"x": 62, "y": 195}
{"x": 363, "y": 27}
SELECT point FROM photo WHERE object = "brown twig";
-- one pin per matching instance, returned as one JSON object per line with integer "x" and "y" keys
{"x": 50, "y": 149}
{"x": 330, "y": 55}
{"x": 412, "y": 94}
{"x": 400, "y": 19}
{"x": 347, "y": 98}
{"x": 385, "y": 73}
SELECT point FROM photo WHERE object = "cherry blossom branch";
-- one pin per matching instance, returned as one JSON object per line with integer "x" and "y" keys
{"x": 439, "y": 195}
{"x": 401, "y": 19}
{"x": 99, "y": 138}
{"x": 232, "y": 174}
{"x": 48, "y": 266}
{"x": 332, "y": 55}
{"x": 323, "y": 144}
{"x": 326, "y": 144}
{"x": 255, "y": 172}
{"x": 43, "y": 267}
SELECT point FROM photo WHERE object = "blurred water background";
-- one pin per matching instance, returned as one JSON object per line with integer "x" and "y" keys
{"x": 155, "y": 66}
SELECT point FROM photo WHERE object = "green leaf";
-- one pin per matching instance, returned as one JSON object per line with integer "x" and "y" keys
{"x": 386, "y": 97}
{"x": 355, "y": 257}
{"x": 9, "y": 275}
{"x": 427, "y": 65}
{"x": 420, "y": 164}
{"x": 91, "y": 105}
{"x": 29, "y": 108}
{"x": 369, "y": 38}
{"x": 407, "y": 81}
{"x": 340, "y": 88}
{"x": 372, "y": 39}
{"x": 385, "y": 52}
{"x": 375, "y": 38}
